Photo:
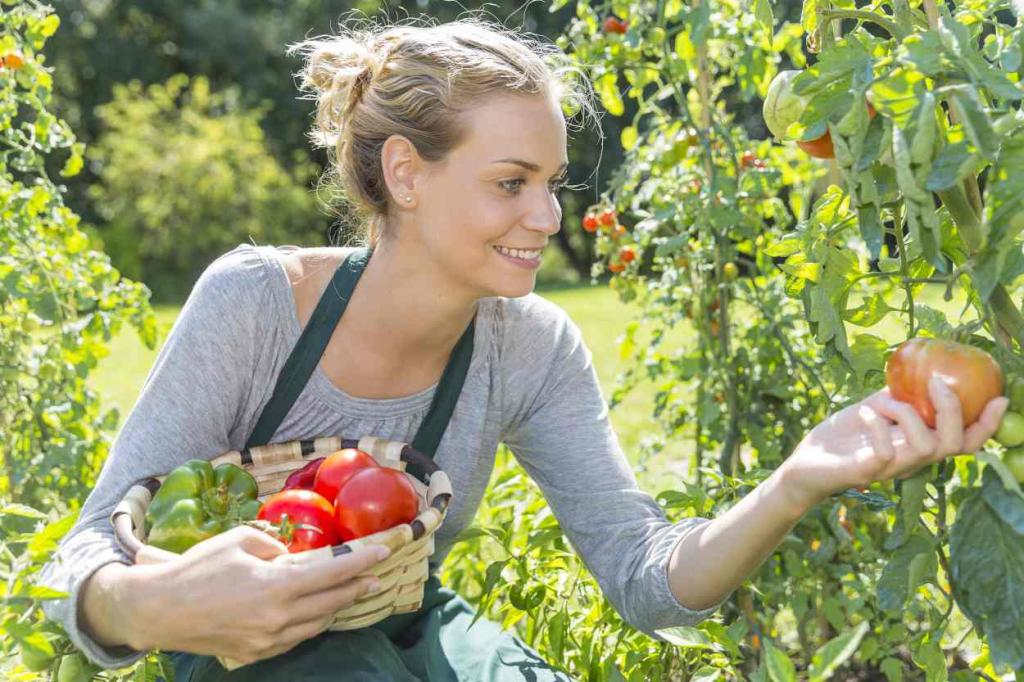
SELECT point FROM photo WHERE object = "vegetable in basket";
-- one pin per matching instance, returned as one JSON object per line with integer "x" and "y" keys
{"x": 196, "y": 502}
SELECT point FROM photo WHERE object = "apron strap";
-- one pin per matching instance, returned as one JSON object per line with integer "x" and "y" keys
{"x": 308, "y": 350}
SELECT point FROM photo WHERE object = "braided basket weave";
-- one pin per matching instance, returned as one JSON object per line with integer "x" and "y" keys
{"x": 402, "y": 575}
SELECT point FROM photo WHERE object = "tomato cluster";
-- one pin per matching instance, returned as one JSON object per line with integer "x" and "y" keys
{"x": 606, "y": 220}
{"x": 338, "y": 498}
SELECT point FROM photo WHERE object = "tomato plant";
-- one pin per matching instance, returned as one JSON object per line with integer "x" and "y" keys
{"x": 374, "y": 499}
{"x": 305, "y": 519}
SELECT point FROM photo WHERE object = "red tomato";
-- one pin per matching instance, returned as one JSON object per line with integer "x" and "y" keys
{"x": 820, "y": 147}
{"x": 616, "y": 267}
{"x": 606, "y": 218}
{"x": 614, "y": 25}
{"x": 971, "y": 372}
{"x": 748, "y": 159}
{"x": 304, "y": 477}
{"x": 590, "y": 223}
{"x": 372, "y": 500}
{"x": 337, "y": 468}
{"x": 306, "y": 519}
{"x": 627, "y": 254}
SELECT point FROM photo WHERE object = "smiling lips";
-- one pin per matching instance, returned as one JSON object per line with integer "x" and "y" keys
{"x": 522, "y": 254}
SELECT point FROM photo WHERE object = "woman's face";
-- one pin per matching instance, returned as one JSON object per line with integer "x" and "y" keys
{"x": 496, "y": 191}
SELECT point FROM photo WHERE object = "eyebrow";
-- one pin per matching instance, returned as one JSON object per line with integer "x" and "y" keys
{"x": 529, "y": 165}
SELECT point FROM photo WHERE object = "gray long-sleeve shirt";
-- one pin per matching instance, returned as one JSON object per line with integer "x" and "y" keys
{"x": 530, "y": 385}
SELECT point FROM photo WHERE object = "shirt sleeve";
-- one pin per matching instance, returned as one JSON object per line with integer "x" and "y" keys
{"x": 559, "y": 431}
{"x": 188, "y": 408}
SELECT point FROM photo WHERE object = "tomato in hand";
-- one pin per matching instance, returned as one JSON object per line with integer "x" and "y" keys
{"x": 337, "y": 468}
{"x": 306, "y": 519}
{"x": 372, "y": 500}
{"x": 970, "y": 372}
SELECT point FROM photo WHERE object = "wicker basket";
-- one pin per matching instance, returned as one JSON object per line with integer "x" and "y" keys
{"x": 402, "y": 574}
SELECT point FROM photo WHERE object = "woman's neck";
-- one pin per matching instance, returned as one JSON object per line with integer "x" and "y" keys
{"x": 414, "y": 311}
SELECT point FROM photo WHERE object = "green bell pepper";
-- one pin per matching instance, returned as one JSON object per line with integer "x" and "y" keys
{"x": 196, "y": 502}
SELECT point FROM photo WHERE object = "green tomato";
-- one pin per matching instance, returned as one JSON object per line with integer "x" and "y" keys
{"x": 1014, "y": 461}
{"x": 1011, "y": 430}
{"x": 76, "y": 668}
{"x": 1015, "y": 391}
{"x": 36, "y": 660}
{"x": 782, "y": 106}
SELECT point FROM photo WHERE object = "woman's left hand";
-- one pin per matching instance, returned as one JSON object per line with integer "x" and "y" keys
{"x": 880, "y": 438}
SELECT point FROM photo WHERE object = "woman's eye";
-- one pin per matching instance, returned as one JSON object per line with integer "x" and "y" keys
{"x": 512, "y": 186}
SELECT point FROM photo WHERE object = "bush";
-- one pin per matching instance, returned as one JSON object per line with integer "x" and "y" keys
{"x": 185, "y": 175}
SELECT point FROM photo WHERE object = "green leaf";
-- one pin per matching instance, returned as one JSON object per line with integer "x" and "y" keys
{"x": 892, "y": 668}
{"x": 976, "y": 122}
{"x": 911, "y": 565}
{"x": 45, "y": 541}
{"x": 912, "y": 496}
{"x": 22, "y": 510}
{"x": 951, "y": 165}
{"x": 780, "y": 667}
{"x": 986, "y": 557}
{"x": 685, "y": 637}
{"x": 629, "y": 137}
{"x": 608, "y": 89}
{"x": 929, "y": 657}
{"x": 835, "y": 653}
{"x": 1008, "y": 504}
{"x": 869, "y": 313}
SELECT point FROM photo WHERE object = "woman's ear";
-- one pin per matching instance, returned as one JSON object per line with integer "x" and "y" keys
{"x": 402, "y": 167}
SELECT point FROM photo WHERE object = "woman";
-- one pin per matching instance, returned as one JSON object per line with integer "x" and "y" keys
{"x": 450, "y": 140}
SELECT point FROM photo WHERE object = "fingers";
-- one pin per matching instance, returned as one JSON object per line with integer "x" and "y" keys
{"x": 258, "y": 543}
{"x": 322, "y": 604}
{"x": 311, "y": 578}
{"x": 294, "y": 635}
{"x": 987, "y": 424}
{"x": 949, "y": 421}
{"x": 920, "y": 437}
{"x": 878, "y": 430}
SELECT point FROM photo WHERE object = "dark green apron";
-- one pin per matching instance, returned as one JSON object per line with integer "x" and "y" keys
{"x": 435, "y": 643}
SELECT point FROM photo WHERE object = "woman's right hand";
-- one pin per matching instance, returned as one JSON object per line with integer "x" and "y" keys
{"x": 241, "y": 596}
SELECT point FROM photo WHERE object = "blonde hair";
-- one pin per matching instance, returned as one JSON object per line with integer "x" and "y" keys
{"x": 370, "y": 82}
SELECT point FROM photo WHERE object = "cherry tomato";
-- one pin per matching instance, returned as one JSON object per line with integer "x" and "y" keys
{"x": 304, "y": 477}
{"x": 1014, "y": 461}
{"x": 337, "y": 468}
{"x": 627, "y": 255}
{"x": 306, "y": 519}
{"x": 372, "y": 500}
{"x": 590, "y": 223}
{"x": 971, "y": 372}
{"x": 614, "y": 25}
{"x": 730, "y": 271}
{"x": 606, "y": 218}
{"x": 1011, "y": 430}
{"x": 12, "y": 61}
{"x": 616, "y": 267}
{"x": 619, "y": 231}
{"x": 1015, "y": 392}
{"x": 748, "y": 159}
